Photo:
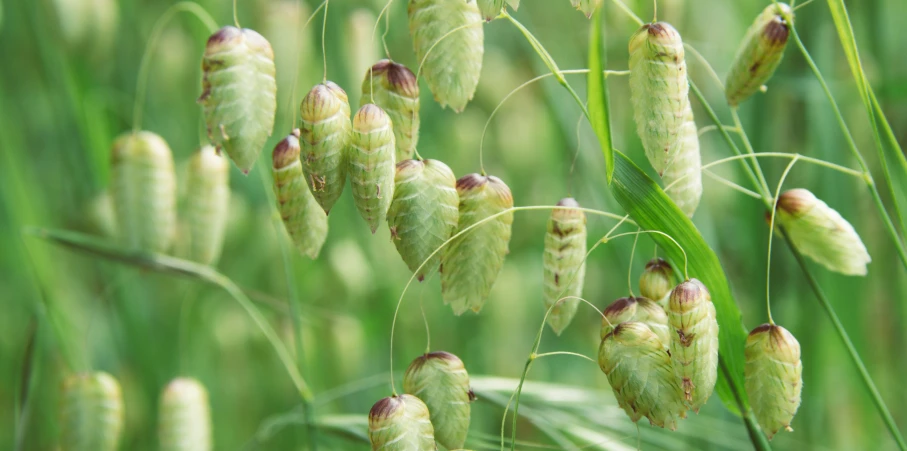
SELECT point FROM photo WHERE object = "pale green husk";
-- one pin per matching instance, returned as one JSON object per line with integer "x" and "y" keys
{"x": 586, "y": 6}
{"x": 394, "y": 88}
{"x": 490, "y": 8}
{"x": 185, "y": 418}
{"x": 658, "y": 91}
{"x": 303, "y": 218}
{"x": 441, "y": 380}
{"x": 207, "y": 205}
{"x": 821, "y": 233}
{"x": 641, "y": 375}
{"x": 637, "y": 309}
{"x": 773, "y": 377}
{"x": 453, "y": 66}
{"x": 400, "y": 423}
{"x": 564, "y": 263}
{"x": 91, "y": 413}
{"x": 371, "y": 164}
{"x": 657, "y": 281}
{"x": 470, "y": 264}
{"x": 685, "y": 169}
{"x": 143, "y": 187}
{"x": 324, "y": 137}
{"x": 239, "y": 93}
{"x": 759, "y": 54}
{"x": 424, "y": 212}
{"x": 694, "y": 341}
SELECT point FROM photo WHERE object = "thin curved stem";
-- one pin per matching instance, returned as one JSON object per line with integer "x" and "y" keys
{"x": 324, "y": 52}
{"x": 575, "y": 354}
{"x": 686, "y": 274}
{"x": 729, "y": 184}
{"x": 630, "y": 266}
{"x": 771, "y": 234}
{"x": 705, "y": 63}
{"x": 235, "y": 15}
{"x": 711, "y": 128}
{"x": 629, "y": 12}
{"x": 292, "y": 105}
{"x": 749, "y": 148}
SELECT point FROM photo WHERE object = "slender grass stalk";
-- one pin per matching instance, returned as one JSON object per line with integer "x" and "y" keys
{"x": 749, "y": 149}
{"x": 771, "y": 234}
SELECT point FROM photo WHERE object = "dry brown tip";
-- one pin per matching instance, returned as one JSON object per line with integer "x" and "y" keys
{"x": 402, "y": 80}
{"x": 335, "y": 89}
{"x": 501, "y": 189}
{"x": 443, "y": 355}
{"x": 619, "y": 306}
{"x": 411, "y": 164}
{"x": 795, "y": 201}
{"x": 687, "y": 294}
{"x": 471, "y": 181}
{"x": 286, "y": 152}
{"x": 659, "y": 264}
{"x": 227, "y": 36}
{"x": 385, "y": 407}
{"x": 662, "y": 31}
{"x": 370, "y": 117}
{"x": 776, "y": 32}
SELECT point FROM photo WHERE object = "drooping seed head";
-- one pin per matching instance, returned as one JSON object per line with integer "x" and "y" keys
{"x": 773, "y": 376}
{"x": 91, "y": 413}
{"x": 400, "y": 423}
{"x": 371, "y": 164}
{"x": 303, "y": 218}
{"x": 564, "y": 262}
{"x": 207, "y": 205}
{"x": 759, "y": 54}
{"x": 637, "y": 309}
{"x": 694, "y": 340}
{"x": 657, "y": 281}
{"x": 185, "y": 418}
{"x": 324, "y": 136}
{"x": 441, "y": 381}
{"x": 394, "y": 88}
{"x": 490, "y": 8}
{"x": 286, "y": 152}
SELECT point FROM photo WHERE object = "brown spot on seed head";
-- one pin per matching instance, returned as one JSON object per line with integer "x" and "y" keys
{"x": 776, "y": 32}
{"x": 687, "y": 295}
{"x": 619, "y": 306}
{"x": 403, "y": 80}
{"x": 408, "y": 165}
{"x": 796, "y": 201}
{"x": 385, "y": 407}
{"x": 286, "y": 152}
{"x": 226, "y": 37}
{"x": 471, "y": 181}
{"x": 660, "y": 265}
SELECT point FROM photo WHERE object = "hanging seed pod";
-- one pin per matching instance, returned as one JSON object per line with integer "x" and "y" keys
{"x": 400, "y": 423}
{"x": 586, "y": 6}
{"x": 143, "y": 186}
{"x": 453, "y": 66}
{"x": 371, "y": 164}
{"x": 471, "y": 263}
{"x": 773, "y": 377}
{"x": 641, "y": 374}
{"x": 658, "y": 91}
{"x": 687, "y": 168}
{"x": 490, "y": 8}
{"x": 759, "y": 54}
{"x": 637, "y": 309}
{"x": 395, "y": 89}
{"x": 207, "y": 203}
{"x": 564, "y": 262}
{"x": 820, "y": 233}
{"x": 305, "y": 221}
{"x": 325, "y": 134}
{"x": 440, "y": 379}
{"x": 185, "y": 418}
{"x": 239, "y": 93}
{"x": 91, "y": 413}
{"x": 694, "y": 341}
{"x": 657, "y": 281}
{"x": 423, "y": 213}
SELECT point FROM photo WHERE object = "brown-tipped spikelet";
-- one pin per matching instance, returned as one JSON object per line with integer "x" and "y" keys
{"x": 394, "y": 88}
{"x": 759, "y": 54}
{"x": 451, "y": 66}
{"x": 641, "y": 374}
{"x": 324, "y": 137}
{"x": 305, "y": 221}
{"x": 821, "y": 233}
{"x": 658, "y": 91}
{"x": 371, "y": 164}
{"x": 685, "y": 169}
{"x": 657, "y": 281}
{"x": 423, "y": 213}
{"x": 185, "y": 418}
{"x": 564, "y": 262}
{"x": 400, "y": 423}
{"x": 586, "y": 6}
{"x": 91, "y": 413}
{"x": 773, "y": 377}
{"x": 143, "y": 187}
{"x": 638, "y": 309}
{"x": 694, "y": 341}
{"x": 440, "y": 379}
{"x": 207, "y": 203}
{"x": 471, "y": 263}
{"x": 490, "y": 8}
{"x": 239, "y": 93}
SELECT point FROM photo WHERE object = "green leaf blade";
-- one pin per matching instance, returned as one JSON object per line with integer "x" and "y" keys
{"x": 597, "y": 95}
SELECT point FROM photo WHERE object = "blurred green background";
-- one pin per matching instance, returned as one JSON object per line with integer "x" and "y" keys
{"x": 67, "y": 87}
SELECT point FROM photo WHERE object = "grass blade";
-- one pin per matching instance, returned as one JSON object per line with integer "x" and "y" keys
{"x": 596, "y": 95}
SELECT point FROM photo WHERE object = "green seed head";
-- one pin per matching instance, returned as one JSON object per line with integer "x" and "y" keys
{"x": 564, "y": 262}
{"x": 91, "y": 413}
{"x": 773, "y": 376}
{"x": 470, "y": 264}
{"x": 305, "y": 220}
{"x": 759, "y": 54}
{"x": 185, "y": 418}
{"x": 657, "y": 281}
{"x": 637, "y": 309}
{"x": 490, "y": 8}
{"x": 239, "y": 93}
{"x": 371, "y": 164}
{"x": 641, "y": 375}
{"x": 400, "y": 423}
{"x": 324, "y": 137}
{"x": 394, "y": 88}
{"x": 694, "y": 340}
{"x": 207, "y": 203}
{"x": 440, "y": 380}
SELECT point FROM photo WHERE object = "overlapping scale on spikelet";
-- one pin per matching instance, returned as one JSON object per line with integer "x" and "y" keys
{"x": 394, "y": 88}
{"x": 694, "y": 341}
{"x": 773, "y": 377}
{"x": 637, "y": 309}
{"x": 564, "y": 262}
{"x": 657, "y": 281}
{"x": 400, "y": 423}
{"x": 207, "y": 205}
{"x": 324, "y": 137}
{"x": 305, "y": 220}
{"x": 759, "y": 54}
{"x": 185, "y": 418}
{"x": 371, "y": 164}
{"x": 91, "y": 413}
{"x": 441, "y": 381}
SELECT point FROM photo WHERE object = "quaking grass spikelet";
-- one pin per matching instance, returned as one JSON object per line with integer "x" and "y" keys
{"x": 207, "y": 203}
{"x": 490, "y": 8}
{"x": 694, "y": 341}
{"x": 641, "y": 375}
{"x": 303, "y": 218}
{"x": 638, "y": 309}
{"x": 658, "y": 91}
{"x": 586, "y": 6}
{"x": 453, "y": 67}
{"x": 471, "y": 263}
{"x": 239, "y": 93}
{"x": 394, "y": 88}
{"x": 564, "y": 262}
{"x": 185, "y": 418}
{"x": 657, "y": 281}
{"x": 759, "y": 54}
{"x": 424, "y": 211}
{"x": 324, "y": 137}
{"x": 91, "y": 413}
{"x": 143, "y": 187}
{"x": 685, "y": 169}
{"x": 371, "y": 164}
{"x": 441, "y": 381}
{"x": 400, "y": 423}
{"x": 773, "y": 377}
